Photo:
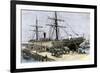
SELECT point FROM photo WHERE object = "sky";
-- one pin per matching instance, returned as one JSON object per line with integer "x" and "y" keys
{"x": 78, "y": 22}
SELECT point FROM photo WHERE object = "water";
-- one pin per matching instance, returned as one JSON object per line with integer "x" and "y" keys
{"x": 23, "y": 60}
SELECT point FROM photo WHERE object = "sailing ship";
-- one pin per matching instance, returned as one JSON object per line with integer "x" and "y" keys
{"x": 72, "y": 43}
{"x": 55, "y": 46}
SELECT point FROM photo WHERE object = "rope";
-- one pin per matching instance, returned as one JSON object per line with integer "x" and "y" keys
{"x": 72, "y": 29}
{"x": 72, "y": 39}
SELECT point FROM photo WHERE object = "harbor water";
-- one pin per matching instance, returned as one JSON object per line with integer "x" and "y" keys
{"x": 23, "y": 60}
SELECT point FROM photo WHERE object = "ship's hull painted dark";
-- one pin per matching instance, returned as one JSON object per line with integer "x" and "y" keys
{"x": 72, "y": 44}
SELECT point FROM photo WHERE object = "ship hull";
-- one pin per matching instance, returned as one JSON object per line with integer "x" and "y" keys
{"x": 72, "y": 44}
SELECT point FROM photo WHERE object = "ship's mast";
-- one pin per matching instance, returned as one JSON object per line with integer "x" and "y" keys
{"x": 36, "y": 29}
{"x": 56, "y": 26}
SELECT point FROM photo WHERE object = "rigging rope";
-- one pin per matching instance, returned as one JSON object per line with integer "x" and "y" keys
{"x": 72, "y": 30}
